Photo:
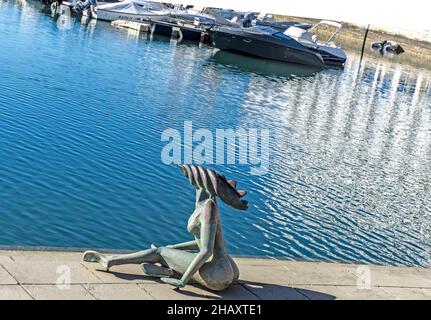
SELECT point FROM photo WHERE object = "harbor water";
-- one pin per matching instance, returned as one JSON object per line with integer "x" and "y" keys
{"x": 83, "y": 107}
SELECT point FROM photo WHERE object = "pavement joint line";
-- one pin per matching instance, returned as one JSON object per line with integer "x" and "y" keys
{"x": 293, "y": 286}
{"x": 4, "y": 268}
{"x": 90, "y": 271}
{"x": 143, "y": 288}
{"x": 353, "y": 286}
{"x": 254, "y": 294}
{"x": 51, "y": 283}
{"x": 301, "y": 293}
{"x": 89, "y": 291}
{"x": 140, "y": 288}
{"x": 26, "y": 291}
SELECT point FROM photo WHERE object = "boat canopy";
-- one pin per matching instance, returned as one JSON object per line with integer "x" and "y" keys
{"x": 301, "y": 36}
{"x": 126, "y": 7}
{"x": 151, "y": 5}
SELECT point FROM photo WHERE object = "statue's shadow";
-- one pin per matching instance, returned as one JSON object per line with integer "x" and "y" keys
{"x": 243, "y": 290}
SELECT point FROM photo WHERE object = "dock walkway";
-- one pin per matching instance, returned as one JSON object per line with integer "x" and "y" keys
{"x": 43, "y": 275}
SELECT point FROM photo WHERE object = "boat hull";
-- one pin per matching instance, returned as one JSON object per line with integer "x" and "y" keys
{"x": 264, "y": 47}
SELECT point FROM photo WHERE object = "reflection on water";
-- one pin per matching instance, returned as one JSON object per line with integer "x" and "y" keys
{"x": 82, "y": 110}
{"x": 261, "y": 66}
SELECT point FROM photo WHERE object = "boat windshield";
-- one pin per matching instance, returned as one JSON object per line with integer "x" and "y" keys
{"x": 326, "y": 30}
{"x": 264, "y": 29}
{"x": 281, "y": 35}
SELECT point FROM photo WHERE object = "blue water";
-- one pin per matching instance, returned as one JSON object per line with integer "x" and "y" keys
{"x": 83, "y": 106}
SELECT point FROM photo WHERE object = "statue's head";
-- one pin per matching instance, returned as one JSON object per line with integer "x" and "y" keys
{"x": 215, "y": 184}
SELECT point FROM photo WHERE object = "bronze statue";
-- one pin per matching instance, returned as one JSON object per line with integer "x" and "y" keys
{"x": 204, "y": 259}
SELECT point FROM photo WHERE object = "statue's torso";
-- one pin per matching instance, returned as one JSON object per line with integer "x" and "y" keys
{"x": 220, "y": 256}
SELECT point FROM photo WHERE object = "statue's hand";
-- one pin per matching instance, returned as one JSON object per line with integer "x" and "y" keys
{"x": 174, "y": 282}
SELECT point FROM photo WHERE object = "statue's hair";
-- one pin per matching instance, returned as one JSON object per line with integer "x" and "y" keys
{"x": 209, "y": 180}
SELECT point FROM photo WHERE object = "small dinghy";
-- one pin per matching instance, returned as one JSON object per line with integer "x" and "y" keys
{"x": 387, "y": 47}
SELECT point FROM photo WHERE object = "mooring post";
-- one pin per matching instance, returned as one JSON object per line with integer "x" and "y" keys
{"x": 363, "y": 45}
{"x": 152, "y": 28}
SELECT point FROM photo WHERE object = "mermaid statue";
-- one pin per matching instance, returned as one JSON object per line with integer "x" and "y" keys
{"x": 205, "y": 259}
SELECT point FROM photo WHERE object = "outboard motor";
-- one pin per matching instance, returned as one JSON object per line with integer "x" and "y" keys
{"x": 81, "y": 6}
{"x": 248, "y": 19}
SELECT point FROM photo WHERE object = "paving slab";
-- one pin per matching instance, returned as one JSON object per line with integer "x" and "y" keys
{"x": 5, "y": 258}
{"x": 291, "y": 274}
{"x": 13, "y": 292}
{"x": 49, "y": 272}
{"x": 54, "y": 292}
{"x": 119, "y": 274}
{"x": 5, "y": 277}
{"x": 373, "y": 293}
{"x": 118, "y": 292}
{"x": 161, "y": 291}
{"x": 273, "y": 292}
{"x": 408, "y": 293}
{"x": 388, "y": 276}
{"x": 43, "y": 256}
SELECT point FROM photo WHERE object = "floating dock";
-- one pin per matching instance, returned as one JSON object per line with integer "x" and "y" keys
{"x": 180, "y": 31}
{"x": 168, "y": 29}
{"x": 43, "y": 275}
{"x": 137, "y": 26}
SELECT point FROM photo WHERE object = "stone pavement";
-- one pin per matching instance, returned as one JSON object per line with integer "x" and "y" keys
{"x": 46, "y": 275}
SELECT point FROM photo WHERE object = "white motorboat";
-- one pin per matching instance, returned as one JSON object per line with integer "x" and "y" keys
{"x": 131, "y": 11}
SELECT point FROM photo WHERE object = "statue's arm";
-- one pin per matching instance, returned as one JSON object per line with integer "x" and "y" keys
{"x": 207, "y": 239}
{"x": 189, "y": 245}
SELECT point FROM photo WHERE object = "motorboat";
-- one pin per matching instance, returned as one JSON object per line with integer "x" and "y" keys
{"x": 265, "y": 43}
{"x": 294, "y": 45}
{"x": 131, "y": 11}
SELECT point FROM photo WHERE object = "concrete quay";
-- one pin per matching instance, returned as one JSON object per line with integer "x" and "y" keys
{"x": 45, "y": 275}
